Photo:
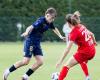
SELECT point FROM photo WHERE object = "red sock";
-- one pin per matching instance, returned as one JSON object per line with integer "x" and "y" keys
{"x": 63, "y": 73}
{"x": 84, "y": 68}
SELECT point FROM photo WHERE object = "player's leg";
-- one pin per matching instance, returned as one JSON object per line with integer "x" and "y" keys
{"x": 24, "y": 61}
{"x": 70, "y": 63}
{"x": 27, "y": 55}
{"x": 17, "y": 65}
{"x": 39, "y": 62}
{"x": 34, "y": 67}
{"x": 83, "y": 58}
{"x": 85, "y": 70}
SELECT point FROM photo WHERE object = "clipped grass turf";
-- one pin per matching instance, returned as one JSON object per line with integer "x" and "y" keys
{"x": 10, "y": 52}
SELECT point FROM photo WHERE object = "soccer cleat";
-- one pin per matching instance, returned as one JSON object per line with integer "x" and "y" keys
{"x": 88, "y": 78}
{"x": 25, "y": 77}
{"x": 6, "y": 73}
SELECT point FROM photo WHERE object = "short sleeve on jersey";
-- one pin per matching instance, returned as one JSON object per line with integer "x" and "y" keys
{"x": 52, "y": 26}
{"x": 73, "y": 36}
{"x": 37, "y": 23}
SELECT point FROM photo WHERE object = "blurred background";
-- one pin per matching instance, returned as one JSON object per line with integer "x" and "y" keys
{"x": 16, "y": 15}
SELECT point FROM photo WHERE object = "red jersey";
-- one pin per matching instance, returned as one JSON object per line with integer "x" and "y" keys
{"x": 81, "y": 36}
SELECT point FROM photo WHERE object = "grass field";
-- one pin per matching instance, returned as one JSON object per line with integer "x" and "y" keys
{"x": 12, "y": 52}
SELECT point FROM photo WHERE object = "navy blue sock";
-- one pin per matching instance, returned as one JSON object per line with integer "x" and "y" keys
{"x": 29, "y": 72}
{"x": 12, "y": 68}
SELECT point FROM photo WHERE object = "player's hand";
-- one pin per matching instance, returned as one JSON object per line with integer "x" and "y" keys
{"x": 64, "y": 39}
{"x": 24, "y": 34}
{"x": 95, "y": 44}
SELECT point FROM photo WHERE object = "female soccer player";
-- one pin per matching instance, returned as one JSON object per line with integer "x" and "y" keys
{"x": 67, "y": 30}
{"x": 86, "y": 45}
{"x": 33, "y": 36}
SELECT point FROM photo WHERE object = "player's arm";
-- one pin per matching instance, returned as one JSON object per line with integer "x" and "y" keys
{"x": 66, "y": 51}
{"x": 35, "y": 25}
{"x": 57, "y": 32}
{"x": 93, "y": 37}
{"x": 28, "y": 31}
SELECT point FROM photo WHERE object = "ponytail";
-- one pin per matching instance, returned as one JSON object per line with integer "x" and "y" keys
{"x": 72, "y": 19}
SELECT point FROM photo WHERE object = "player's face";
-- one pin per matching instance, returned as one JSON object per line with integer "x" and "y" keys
{"x": 50, "y": 18}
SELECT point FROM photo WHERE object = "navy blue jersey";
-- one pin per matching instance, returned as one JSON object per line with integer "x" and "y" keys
{"x": 40, "y": 26}
{"x": 34, "y": 38}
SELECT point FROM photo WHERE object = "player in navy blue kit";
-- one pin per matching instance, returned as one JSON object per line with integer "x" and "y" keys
{"x": 33, "y": 36}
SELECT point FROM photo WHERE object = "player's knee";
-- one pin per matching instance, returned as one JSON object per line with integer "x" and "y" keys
{"x": 25, "y": 62}
{"x": 71, "y": 62}
{"x": 40, "y": 63}
{"x": 69, "y": 66}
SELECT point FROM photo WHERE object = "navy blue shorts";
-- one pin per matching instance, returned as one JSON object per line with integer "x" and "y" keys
{"x": 32, "y": 47}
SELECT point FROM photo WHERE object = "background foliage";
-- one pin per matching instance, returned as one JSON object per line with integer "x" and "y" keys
{"x": 26, "y": 11}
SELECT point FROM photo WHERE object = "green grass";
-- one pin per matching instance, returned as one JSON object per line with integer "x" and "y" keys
{"x": 12, "y": 52}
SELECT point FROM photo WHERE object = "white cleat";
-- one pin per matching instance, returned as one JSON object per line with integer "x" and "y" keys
{"x": 25, "y": 77}
{"x": 6, "y": 73}
{"x": 88, "y": 78}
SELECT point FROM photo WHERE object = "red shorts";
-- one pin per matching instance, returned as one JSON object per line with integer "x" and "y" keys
{"x": 84, "y": 56}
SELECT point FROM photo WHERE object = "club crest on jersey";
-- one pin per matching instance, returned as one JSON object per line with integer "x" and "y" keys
{"x": 31, "y": 48}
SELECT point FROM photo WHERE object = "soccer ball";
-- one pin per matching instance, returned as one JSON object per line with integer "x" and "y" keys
{"x": 55, "y": 75}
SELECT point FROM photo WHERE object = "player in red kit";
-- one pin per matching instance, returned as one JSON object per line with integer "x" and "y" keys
{"x": 86, "y": 45}
{"x": 67, "y": 30}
